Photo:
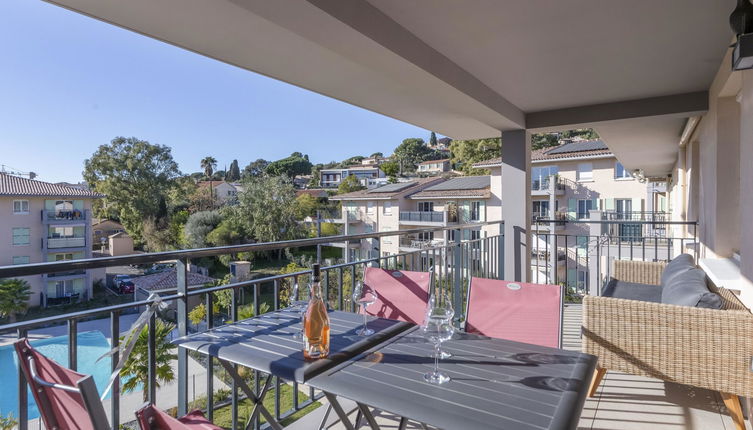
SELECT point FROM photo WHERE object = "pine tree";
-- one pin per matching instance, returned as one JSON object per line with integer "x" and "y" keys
{"x": 233, "y": 173}
{"x": 433, "y": 140}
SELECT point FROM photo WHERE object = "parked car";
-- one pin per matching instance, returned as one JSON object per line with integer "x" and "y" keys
{"x": 126, "y": 287}
{"x": 118, "y": 279}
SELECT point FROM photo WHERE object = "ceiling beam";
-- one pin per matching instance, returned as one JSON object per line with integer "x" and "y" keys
{"x": 680, "y": 105}
{"x": 368, "y": 20}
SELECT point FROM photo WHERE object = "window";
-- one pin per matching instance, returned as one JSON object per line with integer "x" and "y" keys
{"x": 56, "y": 232}
{"x": 620, "y": 172}
{"x": 427, "y": 236}
{"x": 63, "y": 288}
{"x": 387, "y": 208}
{"x": 585, "y": 172}
{"x": 21, "y": 260}
{"x": 584, "y": 208}
{"x": 387, "y": 239}
{"x": 21, "y": 236}
{"x": 426, "y": 206}
{"x": 623, "y": 207}
{"x": 475, "y": 211}
{"x": 20, "y": 206}
{"x": 541, "y": 209}
{"x": 540, "y": 177}
{"x": 582, "y": 280}
{"x": 370, "y": 208}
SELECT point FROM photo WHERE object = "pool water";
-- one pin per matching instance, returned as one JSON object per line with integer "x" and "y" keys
{"x": 91, "y": 346}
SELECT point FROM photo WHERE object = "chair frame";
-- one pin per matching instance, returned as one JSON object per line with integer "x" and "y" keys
{"x": 84, "y": 387}
{"x": 561, "y": 326}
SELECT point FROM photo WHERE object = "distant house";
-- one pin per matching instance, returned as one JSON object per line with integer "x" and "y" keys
{"x": 301, "y": 181}
{"x": 120, "y": 244}
{"x": 103, "y": 229}
{"x": 166, "y": 282}
{"x": 316, "y": 193}
{"x": 373, "y": 161}
{"x": 331, "y": 178}
{"x": 434, "y": 166}
{"x": 223, "y": 192}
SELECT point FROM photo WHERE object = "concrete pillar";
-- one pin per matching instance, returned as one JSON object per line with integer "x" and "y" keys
{"x": 594, "y": 253}
{"x": 746, "y": 174}
{"x": 727, "y": 182}
{"x": 516, "y": 203}
{"x": 552, "y": 230}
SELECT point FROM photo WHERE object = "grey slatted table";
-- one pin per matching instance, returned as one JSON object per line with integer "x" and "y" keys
{"x": 265, "y": 343}
{"x": 496, "y": 384}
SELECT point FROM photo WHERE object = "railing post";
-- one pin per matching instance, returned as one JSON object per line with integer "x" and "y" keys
{"x": 115, "y": 393}
{"x": 23, "y": 400}
{"x": 593, "y": 266}
{"x": 457, "y": 299}
{"x": 181, "y": 268}
{"x": 501, "y": 252}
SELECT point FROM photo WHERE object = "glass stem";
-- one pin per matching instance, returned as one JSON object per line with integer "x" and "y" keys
{"x": 436, "y": 357}
{"x": 364, "y": 317}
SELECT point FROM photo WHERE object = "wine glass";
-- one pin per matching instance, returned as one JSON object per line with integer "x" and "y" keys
{"x": 364, "y": 296}
{"x": 439, "y": 305}
{"x": 298, "y": 305}
{"x": 438, "y": 329}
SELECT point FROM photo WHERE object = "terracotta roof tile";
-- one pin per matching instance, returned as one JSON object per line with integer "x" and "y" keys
{"x": 543, "y": 154}
{"x": 419, "y": 184}
{"x": 16, "y": 186}
{"x": 168, "y": 280}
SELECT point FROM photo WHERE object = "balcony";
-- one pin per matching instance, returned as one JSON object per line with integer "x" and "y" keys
{"x": 425, "y": 218}
{"x": 412, "y": 244}
{"x": 65, "y": 217}
{"x": 542, "y": 221}
{"x": 546, "y": 186}
{"x": 65, "y": 242}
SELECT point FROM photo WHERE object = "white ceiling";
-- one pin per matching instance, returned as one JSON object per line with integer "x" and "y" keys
{"x": 465, "y": 69}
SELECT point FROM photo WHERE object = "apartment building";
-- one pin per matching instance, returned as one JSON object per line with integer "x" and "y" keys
{"x": 43, "y": 222}
{"x": 434, "y": 167}
{"x": 422, "y": 202}
{"x": 331, "y": 178}
{"x": 570, "y": 181}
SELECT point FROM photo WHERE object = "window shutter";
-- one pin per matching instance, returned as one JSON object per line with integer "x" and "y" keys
{"x": 595, "y": 204}
{"x": 609, "y": 204}
{"x": 637, "y": 205}
{"x": 482, "y": 211}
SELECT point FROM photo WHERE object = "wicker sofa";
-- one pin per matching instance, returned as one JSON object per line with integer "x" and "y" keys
{"x": 707, "y": 348}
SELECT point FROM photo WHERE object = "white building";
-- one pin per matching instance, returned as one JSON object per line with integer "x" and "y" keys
{"x": 331, "y": 178}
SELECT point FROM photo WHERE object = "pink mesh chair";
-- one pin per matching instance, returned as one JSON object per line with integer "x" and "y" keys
{"x": 403, "y": 295}
{"x": 530, "y": 313}
{"x": 151, "y": 418}
{"x": 69, "y": 400}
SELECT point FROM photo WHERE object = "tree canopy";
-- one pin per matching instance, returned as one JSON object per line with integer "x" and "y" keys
{"x": 349, "y": 184}
{"x": 135, "y": 175}
{"x": 296, "y": 164}
{"x": 233, "y": 173}
{"x": 265, "y": 209}
{"x": 411, "y": 152}
{"x": 255, "y": 168}
{"x": 467, "y": 152}
{"x": 14, "y": 297}
{"x": 390, "y": 168}
{"x": 198, "y": 226}
{"x": 433, "y": 139}
{"x": 208, "y": 164}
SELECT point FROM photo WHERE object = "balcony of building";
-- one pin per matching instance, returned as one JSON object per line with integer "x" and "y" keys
{"x": 427, "y": 218}
{"x": 549, "y": 185}
{"x": 62, "y": 217}
{"x": 63, "y": 242}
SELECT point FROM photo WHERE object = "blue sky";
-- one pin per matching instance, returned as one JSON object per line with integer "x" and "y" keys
{"x": 69, "y": 83}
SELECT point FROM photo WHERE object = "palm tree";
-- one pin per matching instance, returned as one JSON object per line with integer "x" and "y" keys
{"x": 208, "y": 164}
{"x": 136, "y": 368}
{"x": 14, "y": 297}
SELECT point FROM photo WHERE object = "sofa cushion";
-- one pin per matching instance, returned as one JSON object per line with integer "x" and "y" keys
{"x": 689, "y": 288}
{"x": 679, "y": 264}
{"x": 632, "y": 291}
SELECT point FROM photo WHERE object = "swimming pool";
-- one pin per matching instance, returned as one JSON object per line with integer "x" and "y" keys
{"x": 91, "y": 346}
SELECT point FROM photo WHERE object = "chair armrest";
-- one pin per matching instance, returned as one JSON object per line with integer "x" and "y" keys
{"x": 706, "y": 348}
{"x": 642, "y": 272}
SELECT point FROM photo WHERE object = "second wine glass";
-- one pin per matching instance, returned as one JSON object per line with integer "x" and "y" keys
{"x": 299, "y": 305}
{"x": 439, "y": 306}
{"x": 363, "y": 295}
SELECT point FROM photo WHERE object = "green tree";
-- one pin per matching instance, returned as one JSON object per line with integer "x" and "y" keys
{"x": 265, "y": 208}
{"x": 330, "y": 229}
{"x": 14, "y": 297}
{"x": 349, "y": 184}
{"x": 376, "y": 154}
{"x": 433, "y": 140}
{"x": 390, "y": 168}
{"x": 411, "y": 152}
{"x": 233, "y": 173}
{"x": 134, "y": 175}
{"x": 296, "y": 164}
{"x": 208, "y": 164}
{"x": 198, "y": 226}
{"x": 305, "y": 205}
{"x": 255, "y": 168}
{"x": 230, "y": 231}
{"x": 136, "y": 368}
{"x": 315, "y": 176}
{"x": 544, "y": 140}
{"x": 247, "y": 311}
{"x": 467, "y": 152}
{"x": 8, "y": 422}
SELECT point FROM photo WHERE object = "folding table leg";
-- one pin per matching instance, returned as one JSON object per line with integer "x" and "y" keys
{"x": 250, "y": 394}
{"x": 326, "y": 415}
{"x": 403, "y": 423}
{"x": 339, "y": 410}
{"x": 368, "y": 415}
{"x": 256, "y": 410}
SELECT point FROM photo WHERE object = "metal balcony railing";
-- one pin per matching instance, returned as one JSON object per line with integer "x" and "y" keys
{"x": 453, "y": 264}
{"x": 543, "y": 184}
{"x": 423, "y": 216}
{"x": 65, "y": 242}
{"x": 65, "y": 215}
